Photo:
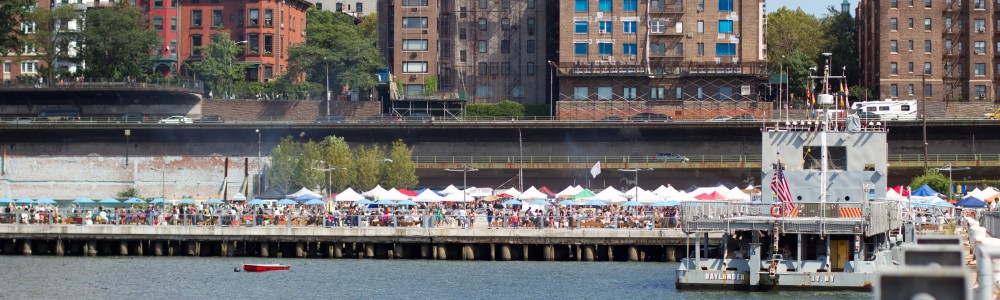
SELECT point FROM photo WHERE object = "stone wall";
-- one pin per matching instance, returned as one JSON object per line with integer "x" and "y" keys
{"x": 306, "y": 110}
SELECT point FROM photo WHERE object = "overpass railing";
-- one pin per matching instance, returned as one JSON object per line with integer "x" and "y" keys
{"x": 653, "y": 159}
{"x": 187, "y": 85}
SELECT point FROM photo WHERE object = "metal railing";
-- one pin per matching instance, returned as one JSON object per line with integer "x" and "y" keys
{"x": 653, "y": 159}
{"x": 188, "y": 85}
{"x": 881, "y": 216}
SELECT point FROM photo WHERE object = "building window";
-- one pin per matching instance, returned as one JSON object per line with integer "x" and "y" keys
{"x": 530, "y": 46}
{"x": 483, "y": 25}
{"x": 910, "y": 23}
{"x": 725, "y": 49}
{"x": 505, "y": 4}
{"x": 319, "y": 5}
{"x": 414, "y": 22}
{"x": 927, "y": 68}
{"x": 413, "y": 89}
{"x": 980, "y": 69}
{"x": 580, "y": 27}
{"x": 268, "y": 44}
{"x": 580, "y": 93}
{"x": 909, "y": 67}
{"x": 701, "y": 49}
{"x": 461, "y": 33}
{"x": 657, "y": 25}
{"x": 414, "y": 2}
{"x": 268, "y": 14}
{"x": 604, "y": 49}
{"x": 216, "y": 18}
{"x": 725, "y": 26}
{"x": 604, "y": 5}
{"x": 581, "y": 5}
{"x": 629, "y": 93}
{"x": 254, "y": 17}
{"x": 657, "y": 93}
{"x": 701, "y": 26}
{"x": 629, "y": 27}
{"x": 530, "y": 66}
{"x": 414, "y": 67}
{"x": 484, "y": 91}
{"x": 927, "y": 3}
{"x": 462, "y": 56}
{"x": 893, "y": 3}
{"x": 505, "y": 24}
{"x": 893, "y": 24}
{"x": 505, "y": 46}
{"x": 483, "y": 68}
{"x": 196, "y": 45}
{"x": 629, "y": 49}
{"x": 173, "y": 47}
{"x": 173, "y": 24}
{"x": 253, "y": 43}
{"x": 928, "y": 91}
{"x": 980, "y": 4}
{"x": 29, "y": 67}
{"x": 604, "y": 93}
{"x": 629, "y": 5}
{"x": 339, "y": 7}
{"x": 580, "y": 48}
{"x": 6, "y": 67}
{"x": 606, "y": 27}
{"x": 414, "y": 45}
{"x": 725, "y": 5}
{"x": 980, "y": 92}
{"x": 910, "y": 45}
{"x": 893, "y": 68}
{"x": 196, "y": 18}
{"x": 358, "y": 7}
{"x": 158, "y": 23}
{"x": 483, "y": 4}
{"x": 482, "y": 46}
{"x": 894, "y": 90}
{"x": 678, "y": 93}
{"x": 927, "y": 46}
{"x": 980, "y": 47}
{"x": 268, "y": 73}
{"x": 531, "y": 26}
{"x": 927, "y": 24}
{"x": 893, "y": 47}
{"x": 909, "y": 90}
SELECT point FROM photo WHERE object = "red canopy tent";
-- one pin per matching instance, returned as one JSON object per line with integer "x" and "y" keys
{"x": 407, "y": 192}
{"x": 902, "y": 190}
{"x": 505, "y": 196}
{"x": 712, "y": 196}
{"x": 547, "y": 191}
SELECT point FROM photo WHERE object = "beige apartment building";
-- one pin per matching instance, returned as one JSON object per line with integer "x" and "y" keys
{"x": 939, "y": 49}
{"x": 475, "y": 51}
{"x": 688, "y": 50}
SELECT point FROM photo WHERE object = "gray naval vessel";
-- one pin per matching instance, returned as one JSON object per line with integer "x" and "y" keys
{"x": 822, "y": 223}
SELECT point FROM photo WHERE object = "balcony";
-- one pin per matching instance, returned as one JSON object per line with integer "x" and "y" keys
{"x": 677, "y": 8}
{"x": 666, "y": 54}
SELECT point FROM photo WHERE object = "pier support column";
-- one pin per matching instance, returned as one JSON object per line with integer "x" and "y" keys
{"x": 611, "y": 253}
{"x": 633, "y": 254}
{"x": 577, "y": 251}
{"x": 397, "y": 250}
{"x": 425, "y": 251}
{"x": 505, "y": 252}
{"x": 465, "y": 252}
{"x": 26, "y": 247}
{"x": 442, "y": 252}
{"x": 434, "y": 252}
{"x": 390, "y": 253}
{"x": 60, "y": 251}
{"x": 299, "y": 251}
{"x": 524, "y": 251}
{"x": 369, "y": 250}
{"x": 158, "y": 248}
{"x": 549, "y": 252}
{"x": 170, "y": 249}
{"x": 190, "y": 249}
{"x": 224, "y": 249}
{"x": 265, "y": 249}
{"x": 123, "y": 248}
{"x": 588, "y": 252}
{"x": 670, "y": 254}
{"x": 138, "y": 248}
{"x": 91, "y": 248}
{"x": 493, "y": 252}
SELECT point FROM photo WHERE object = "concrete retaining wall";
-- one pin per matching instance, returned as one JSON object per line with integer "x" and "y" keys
{"x": 250, "y": 110}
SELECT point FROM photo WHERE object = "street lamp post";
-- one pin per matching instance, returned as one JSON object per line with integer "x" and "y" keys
{"x": 329, "y": 176}
{"x": 259, "y": 167}
{"x": 465, "y": 171}
{"x": 949, "y": 168}
{"x": 327, "y": 63}
{"x": 127, "y": 134}
{"x": 636, "y": 171}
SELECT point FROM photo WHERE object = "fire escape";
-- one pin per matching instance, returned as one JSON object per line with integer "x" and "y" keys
{"x": 666, "y": 48}
{"x": 954, "y": 35}
{"x": 510, "y": 49}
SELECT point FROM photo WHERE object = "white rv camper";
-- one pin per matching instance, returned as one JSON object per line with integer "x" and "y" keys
{"x": 889, "y": 109}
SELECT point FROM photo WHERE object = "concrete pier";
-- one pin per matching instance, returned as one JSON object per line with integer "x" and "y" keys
{"x": 26, "y": 247}
{"x": 505, "y": 252}
{"x": 59, "y": 250}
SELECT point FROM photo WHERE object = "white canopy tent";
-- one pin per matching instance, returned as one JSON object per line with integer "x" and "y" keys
{"x": 511, "y": 191}
{"x": 532, "y": 194}
{"x": 737, "y": 194}
{"x": 647, "y": 197}
{"x": 457, "y": 197}
{"x": 239, "y": 197}
{"x": 569, "y": 192}
{"x": 893, "y": 195}
{"x": 450, "y": 189}
{"x": 610, "y": 195}
{"x": 378, "y": 190}
{"x": 304, "y": 191}
{"x": 348, "y": 195}
{"x": 679, "y": 196}
{"x": 428, "y": 196}
{"x": 393, "y": 195}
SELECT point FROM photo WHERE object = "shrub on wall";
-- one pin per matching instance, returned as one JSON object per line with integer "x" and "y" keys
{"x": 505, "y": 108}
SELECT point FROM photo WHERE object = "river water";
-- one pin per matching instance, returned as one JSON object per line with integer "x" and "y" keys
{"x": 197, "y": 278}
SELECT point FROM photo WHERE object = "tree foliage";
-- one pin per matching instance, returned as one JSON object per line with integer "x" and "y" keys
{"x": 117, "y": 42}
{"x": 401, "y": 171}
{"x": 839, "y": 35}
{"x": 932, "y": 178}
{"x": 11, "y": 11}
{"x": 334, "y": 42}
{"x": 504, "y": 108}
{"x": 797, "y": 65}
{"x": 220, "y": 67}
{"x": 47, "y": 36}
{"x": 790, "y": 31}
{"x": 337, "y": 156}
{"x": 368, "y": 166}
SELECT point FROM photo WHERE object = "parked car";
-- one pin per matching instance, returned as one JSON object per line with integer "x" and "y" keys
{"x": 388, "y": 117}
{"x": 176, "y": 120}
{"x": 136, "y": 117}
{"x": 22, "y": 120}
{"x": 60, "y": 113}
{"x": 744, "y": 117}
{"x": 719, "y": 119}
{"x": 650, "y": 117}
{"x": 670, "y": 157}
{"x": 611, "y": 118}
{"x": 211, "y": 119}
{"x": 331, "y": 119}
{"x": 868, "y": 116}
{"x": 419, "y": 117}
{"x": 995, "y": 115}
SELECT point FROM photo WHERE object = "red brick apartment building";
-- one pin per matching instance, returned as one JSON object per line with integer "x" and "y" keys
{"x": 945, "y": 50}
{"x": 12, "y": 66}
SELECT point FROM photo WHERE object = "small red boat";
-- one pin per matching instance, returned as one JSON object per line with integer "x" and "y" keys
{"x": 264, "y": 267}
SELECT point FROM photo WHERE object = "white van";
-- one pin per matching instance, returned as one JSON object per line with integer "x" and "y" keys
{"x": 889, "y": 109}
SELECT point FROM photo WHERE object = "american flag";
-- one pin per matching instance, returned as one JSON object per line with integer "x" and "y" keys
{"x": 779, "y": 186}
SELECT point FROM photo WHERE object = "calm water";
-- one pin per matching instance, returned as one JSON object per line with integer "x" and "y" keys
{"x": 174, "y": 278}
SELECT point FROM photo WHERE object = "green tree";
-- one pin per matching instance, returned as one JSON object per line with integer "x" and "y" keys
{"x": 306, "y": 173}
{"x": 117, "y": 42}
{"x": 368, "y": 28}
{"x": 334, "y": 42}
{"x": 932, "y": 178}
{"x": 401, "y": 171}
{"x": 54, "y": 42}
{"x": 840, "y": 39}
{"x": 129, "y": 192}
{"x": 284, "y": 162}
{"x": 797, "y": 65}
{"x": 220, "y": 67}
{"x": 11, "y": 11}
{"x": 368, "y": 166}
{"x": 793, "y": 30}
{"x": 337, "y": 154}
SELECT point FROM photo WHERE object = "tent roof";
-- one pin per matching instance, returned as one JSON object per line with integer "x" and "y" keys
{"x": 971, "y": 202}
{"x": 375, "y": 191}
{"x": 457, "y": 197}
{"x": 348, "y": 195}
{"x": 393, "y": 195}
{"x": 428, "y": 196}
{"x": 924, "y": 190}
{"x": 511, "y": 191}
{"x": 407, "y": 192}
{"x": 532, "y": 194}
{"x": 450, "y": 189}
{"x": 305, "y": 192}
{"x": 547, "y": 191}
{"x": 585, "y": 193}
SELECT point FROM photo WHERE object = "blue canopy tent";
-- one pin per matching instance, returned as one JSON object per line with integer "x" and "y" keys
{"x": 131, "y": 201}
{"x": 6, "y": 200}
{"x": 25, "y": 201}
{"x": 936, "y": 203}
{"x": 255, "y": 202}
{"x": 305, "y": 198}
{"x": 971, "y": 202}
{"x": 407, "y": 203}
{"x": 595, "y": 203}
{"x": 315, "y": 202}
{"x": 363, "y": 202}
{"x": 511, "y": 202}
{"x": 45, "y": 201}
{"x": 633, "y": 203}
{"x": 83, "y": 200}
{"x": 669, "y": 203}
{"x": 567, "y": 203}
{"x": 156, "y": 201}
{"x": 924, "y": 191}
{"x": 109, "y": 200}
{"x": 286, "y": 202}
{"x": 214, "y": 201}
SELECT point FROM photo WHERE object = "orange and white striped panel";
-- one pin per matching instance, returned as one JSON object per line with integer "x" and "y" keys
{"x": 794, "y": 212}
{"x": 850, "y": 212}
